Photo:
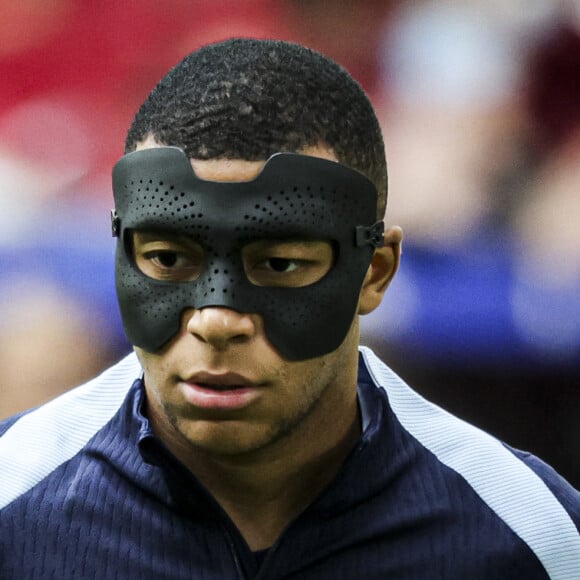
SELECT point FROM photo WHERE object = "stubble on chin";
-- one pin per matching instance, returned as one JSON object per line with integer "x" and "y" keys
{"x": 247, "y": 436}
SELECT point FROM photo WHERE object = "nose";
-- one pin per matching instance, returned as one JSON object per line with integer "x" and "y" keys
{"x": 220, "y": 327}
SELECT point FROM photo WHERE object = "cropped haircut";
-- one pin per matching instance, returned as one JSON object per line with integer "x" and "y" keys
{"x": 248, "y": 99}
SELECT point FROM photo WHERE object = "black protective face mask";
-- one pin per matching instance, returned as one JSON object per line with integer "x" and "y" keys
{"x": 294, "y": 197}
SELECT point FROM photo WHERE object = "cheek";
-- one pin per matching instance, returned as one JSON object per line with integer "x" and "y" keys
{"x": 156, "y": 375}
{"x": 302, "y": 383}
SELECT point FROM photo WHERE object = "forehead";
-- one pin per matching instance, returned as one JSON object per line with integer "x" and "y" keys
{"x": 235, "y": 170}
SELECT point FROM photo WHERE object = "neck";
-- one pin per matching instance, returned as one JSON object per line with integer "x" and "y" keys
{"x": 264, "y": 490}
{"x": 262, "y": 495}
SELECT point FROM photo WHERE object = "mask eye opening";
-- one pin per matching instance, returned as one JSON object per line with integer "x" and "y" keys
{"x": 288, "y": 262}
{"x": 165, "y": 256}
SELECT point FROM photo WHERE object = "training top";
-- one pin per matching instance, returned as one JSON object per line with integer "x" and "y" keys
{"x": 88, "y": 492}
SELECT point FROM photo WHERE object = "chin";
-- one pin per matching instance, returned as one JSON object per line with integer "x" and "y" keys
{"x": 227, "y": 438}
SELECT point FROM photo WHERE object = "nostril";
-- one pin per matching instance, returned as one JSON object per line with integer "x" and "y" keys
{"x": 198, "y": 336}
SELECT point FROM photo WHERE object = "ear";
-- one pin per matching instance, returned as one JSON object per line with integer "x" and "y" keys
{"x": 384, "y": 265}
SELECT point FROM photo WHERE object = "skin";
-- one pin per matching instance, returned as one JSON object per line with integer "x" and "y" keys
{"x": 263, "y": 463}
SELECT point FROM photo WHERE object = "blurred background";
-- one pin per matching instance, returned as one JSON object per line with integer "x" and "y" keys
{"x": 480, "y": 105}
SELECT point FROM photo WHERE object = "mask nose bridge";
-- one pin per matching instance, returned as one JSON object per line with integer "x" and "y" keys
{"x": 224, "y": 272}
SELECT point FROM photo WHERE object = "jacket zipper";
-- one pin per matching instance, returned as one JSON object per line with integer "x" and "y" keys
{"x": 234, "y": 552}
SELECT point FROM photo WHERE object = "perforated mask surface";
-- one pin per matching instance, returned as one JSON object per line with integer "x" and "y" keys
{"x": 294, "y": 196}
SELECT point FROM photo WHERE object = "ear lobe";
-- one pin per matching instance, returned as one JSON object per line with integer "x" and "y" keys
{"x": 384, "y": 265}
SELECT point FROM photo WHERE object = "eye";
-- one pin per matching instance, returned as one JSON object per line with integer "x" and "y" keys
{"x": 290, "y": 264}
{"x": 167, "y": 258}
{"x": 282, "y": 264}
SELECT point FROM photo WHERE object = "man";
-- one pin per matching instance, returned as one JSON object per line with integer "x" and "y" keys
{"x": 249, "y": 437}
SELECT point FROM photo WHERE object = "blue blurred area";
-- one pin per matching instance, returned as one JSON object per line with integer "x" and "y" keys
{"x": 465, "y": 306}
{"x": 469, "y": 306}
{"x": 69, "y": 253}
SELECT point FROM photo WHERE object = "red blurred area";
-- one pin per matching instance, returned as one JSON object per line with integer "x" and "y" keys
{"x": 99, "y": 59}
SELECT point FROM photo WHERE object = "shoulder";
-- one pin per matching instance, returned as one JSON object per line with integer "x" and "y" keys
{"x": 529, "y": 496}
{"x": 35, "y": 443}
{"x": 565, "y": 493}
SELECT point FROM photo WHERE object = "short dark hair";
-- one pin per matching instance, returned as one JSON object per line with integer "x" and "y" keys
{"x": 248, "y": 99}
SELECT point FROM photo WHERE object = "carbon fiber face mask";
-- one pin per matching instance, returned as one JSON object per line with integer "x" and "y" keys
{"x": 294, "y": 197}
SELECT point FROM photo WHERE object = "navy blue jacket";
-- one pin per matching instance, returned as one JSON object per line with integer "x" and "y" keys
{"x": 88, "y": 492}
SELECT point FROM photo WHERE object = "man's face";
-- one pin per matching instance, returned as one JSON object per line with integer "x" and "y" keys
{"x": 219, "y": 384}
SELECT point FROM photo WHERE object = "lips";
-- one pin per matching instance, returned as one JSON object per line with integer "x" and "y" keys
{"x": 221, "y": 382}
{"x": 228, "y": 391}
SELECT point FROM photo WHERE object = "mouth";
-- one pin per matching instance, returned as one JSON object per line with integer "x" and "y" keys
{"x": 228, "y": 391}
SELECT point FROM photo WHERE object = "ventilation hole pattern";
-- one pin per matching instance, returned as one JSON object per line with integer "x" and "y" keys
{"x": 297, "y": 206}
{"x": 155, "y": 199}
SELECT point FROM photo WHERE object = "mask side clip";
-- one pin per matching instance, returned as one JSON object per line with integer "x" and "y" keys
{"x": 115, "y": 224}
{"x": 372, "y": 235}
